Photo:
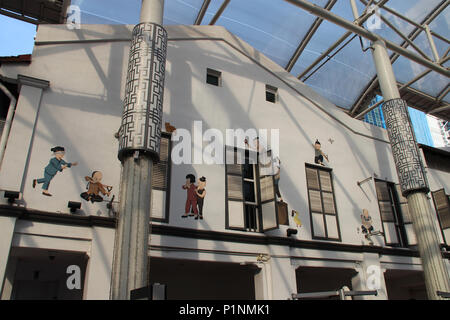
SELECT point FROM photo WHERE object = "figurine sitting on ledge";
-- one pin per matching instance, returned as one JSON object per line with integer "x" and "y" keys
{"x": 367, "y": 228}
{"x": 95, "y": 187}
{"x": 318, "y": 158}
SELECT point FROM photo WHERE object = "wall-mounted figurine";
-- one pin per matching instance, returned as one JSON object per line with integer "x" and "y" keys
{"x": 56, "y": 164}
{"x": 319, "y": 155}
{"x": 95, "y": 187}
{"x": 201, "y": 193}
{"x": 191, "y": 200}
{"x": 367, "y": 228}
{"x": 276, "y": 165}
{"x": 169, "y": 128}
{"x": 297, "y": 220}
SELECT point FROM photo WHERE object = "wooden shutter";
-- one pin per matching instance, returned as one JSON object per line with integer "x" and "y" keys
{"x": 322, "y": 205}
{"x": 234, "y": 192}
{"x": 442, "y": 205}
{"x": 160, "y": 182}
{"x": 386, "y": 212}
{"x": 404, "y": 210}
{"x": 267, "y": 196}
{"x": 159, "y": 178}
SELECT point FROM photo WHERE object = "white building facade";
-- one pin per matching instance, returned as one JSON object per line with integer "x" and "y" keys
{"x": 71, "y": 95}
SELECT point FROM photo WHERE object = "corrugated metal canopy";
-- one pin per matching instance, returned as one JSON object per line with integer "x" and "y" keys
{"x": 295, "y": 39}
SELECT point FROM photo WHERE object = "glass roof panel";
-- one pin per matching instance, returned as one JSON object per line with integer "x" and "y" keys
{"x": 276, "y": 28}
{"x": 355, "y": 69}
{"x": 127, "y": 12}
{"x": 275, "y": 31}
{"x": 327, "y": 34}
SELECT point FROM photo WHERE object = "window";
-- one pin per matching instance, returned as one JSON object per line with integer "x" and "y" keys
{"x": 322, "y": 204}
{"x": 271, "y": 93}
{"x": 161, "y": 182}
{"x": 442, "y": 205}
{"x": 250, "y": 195}
{"x": 213, "y": 77}
{"x": 395, "y": 217}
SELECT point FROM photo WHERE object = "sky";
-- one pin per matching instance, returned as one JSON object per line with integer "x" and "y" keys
{"x": 16, "y": 37}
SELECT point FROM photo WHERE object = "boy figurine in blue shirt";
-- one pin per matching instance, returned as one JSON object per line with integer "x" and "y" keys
{"x": 56, "y": 164}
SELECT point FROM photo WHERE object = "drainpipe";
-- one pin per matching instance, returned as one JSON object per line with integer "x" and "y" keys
{"x": 9, "y": 117}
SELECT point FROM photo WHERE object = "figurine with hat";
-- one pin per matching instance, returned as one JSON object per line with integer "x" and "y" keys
{"x": 56, "y": 164}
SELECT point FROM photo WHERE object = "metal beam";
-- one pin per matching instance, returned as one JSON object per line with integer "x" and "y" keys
{"x": 202, "y": 12}
{"x": 360, "y": 21}
{"x": 404, "y": 18}
{"x": 443, "y": 93}
{"x": 219, "y": 12}
{"x": 298, "y": 52}
{"x": 362, "y": 114}
{"x": 405, "y": 38}
{"x": 432, "y": 44}
{"x": 20, "y": 17}
{"x": 439, "y": 109}
{"x": 413, "y": 35}
{"x": 354, "y": 28}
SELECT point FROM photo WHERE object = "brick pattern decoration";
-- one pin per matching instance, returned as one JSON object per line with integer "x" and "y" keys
{"x": 142, "y": 116}
{"x": 404, "y": 147}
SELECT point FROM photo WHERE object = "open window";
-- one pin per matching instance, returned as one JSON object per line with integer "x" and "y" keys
{"x": 394, "y": 211}
{"x": 406, "y": 217}
{"x": 442, "y": 205}
{"x": 161, "y": 182}
{"x": 250, "y": 194}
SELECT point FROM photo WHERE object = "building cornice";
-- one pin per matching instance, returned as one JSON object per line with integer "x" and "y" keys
{"x": 33, "y": 82}
{"x": 56, "y": 218}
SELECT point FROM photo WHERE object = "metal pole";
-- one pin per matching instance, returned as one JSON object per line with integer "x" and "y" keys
{"x": 202, "y": 12}
{"x": 355, "y": 28}
{"x": 432, "y": 44}
{"x": 411, "y": 175}
{"x": 139, "y": 145}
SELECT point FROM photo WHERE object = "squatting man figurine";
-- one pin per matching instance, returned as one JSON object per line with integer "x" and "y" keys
{"x": 56, "y": 164}
{"x": 95, "y": 187}
{"x": 318, "y": 158}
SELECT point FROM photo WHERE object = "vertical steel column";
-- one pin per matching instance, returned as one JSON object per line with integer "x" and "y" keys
{"x": 411, "y": 175}
{"x": 139, "y": 146}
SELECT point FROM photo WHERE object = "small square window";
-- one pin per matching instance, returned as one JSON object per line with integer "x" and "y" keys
{"x": 213, "y": 77}
{"x": 271, "y": 93}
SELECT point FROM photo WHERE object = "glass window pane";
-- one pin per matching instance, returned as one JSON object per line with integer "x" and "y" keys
{"x": 315, "y": 201}
{"x": 332, "y": 227}
{"x": 328, "y": 203}
{"x": 382, "y": 191}
{"x": 318, "y": 225}
{"x": 386, "y": 211}
{"x": 312, "y": 179}
{"x": 266, "y": 185}
{"x": 325, "y": 181}
{"x": 249, "y": 191}
{"x": 234, "y": 187}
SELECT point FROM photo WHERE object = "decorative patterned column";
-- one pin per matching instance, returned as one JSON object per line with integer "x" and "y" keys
{"x": 404, "y": 147}
{"x": 411, "y": 175}
{"x": 139, "y": 146}
{"x": 142, "y": 115}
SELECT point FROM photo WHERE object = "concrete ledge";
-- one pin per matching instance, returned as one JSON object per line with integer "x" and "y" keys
{"x": 56, "y": 218}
